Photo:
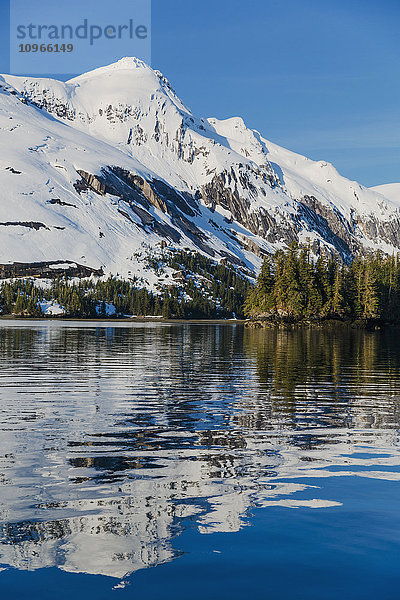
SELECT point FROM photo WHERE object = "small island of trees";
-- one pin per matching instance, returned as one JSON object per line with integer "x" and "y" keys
{"x": 293, "y": 287}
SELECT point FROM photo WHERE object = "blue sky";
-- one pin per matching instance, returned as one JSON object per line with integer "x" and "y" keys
{"x": 319, "y": 77}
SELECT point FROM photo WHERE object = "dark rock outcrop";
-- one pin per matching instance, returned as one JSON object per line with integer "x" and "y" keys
{"x": 29, "y": 224}
{"x": 47, "y": 270}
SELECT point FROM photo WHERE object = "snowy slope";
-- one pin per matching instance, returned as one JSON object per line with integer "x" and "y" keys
{"x": 94, "y": 169}
{"x": 391, "y": 191}
{"x": 37, "y": 177}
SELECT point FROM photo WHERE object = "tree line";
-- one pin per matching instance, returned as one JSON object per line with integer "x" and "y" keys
{"x": 292, "y": 285}
{"x": 204, "y": 290}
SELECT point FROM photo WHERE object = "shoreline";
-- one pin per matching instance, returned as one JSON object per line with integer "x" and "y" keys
{"x": 363, "y": 324}
{"x": 124, "y": 320}
{"x": 247, "y": 323}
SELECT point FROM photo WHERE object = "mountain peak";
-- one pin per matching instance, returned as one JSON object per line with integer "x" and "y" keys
{"x": 129, "y": 62}
{"x": 128, "y": 72}
{"x": 123, "y": 64}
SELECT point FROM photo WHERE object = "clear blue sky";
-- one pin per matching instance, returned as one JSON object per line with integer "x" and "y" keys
{"x": 319, "y": 77}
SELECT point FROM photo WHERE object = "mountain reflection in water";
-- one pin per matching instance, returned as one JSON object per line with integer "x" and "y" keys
{"x": 114, "y": 438}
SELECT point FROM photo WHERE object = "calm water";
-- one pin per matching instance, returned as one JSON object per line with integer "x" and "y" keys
{"x": 198, "y": 461}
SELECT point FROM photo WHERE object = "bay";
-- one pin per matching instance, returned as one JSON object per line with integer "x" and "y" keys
{"x": 147, "y": 460}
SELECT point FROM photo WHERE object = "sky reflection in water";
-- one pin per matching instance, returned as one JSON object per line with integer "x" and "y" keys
{"x": 119, "y": 444}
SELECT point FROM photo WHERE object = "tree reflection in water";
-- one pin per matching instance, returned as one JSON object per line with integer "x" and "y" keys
{"x": 114, "y": 438}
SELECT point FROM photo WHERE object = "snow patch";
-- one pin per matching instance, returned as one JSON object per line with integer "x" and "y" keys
{"x": 49, "y": 307}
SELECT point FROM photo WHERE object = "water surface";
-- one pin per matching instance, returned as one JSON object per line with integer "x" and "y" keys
{"x": 198, "y": 460}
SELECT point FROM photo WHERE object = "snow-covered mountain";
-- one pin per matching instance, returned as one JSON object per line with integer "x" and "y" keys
{"x": 389, "y": 190}
{"x": 94, "y": 170}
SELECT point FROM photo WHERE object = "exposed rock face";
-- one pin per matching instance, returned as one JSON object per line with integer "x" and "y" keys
{"x": 330, "y": 224}
{"x": 260, "y": 222}
{"x": 45, "y": 100}
{"x": 342, "y": 233}
{"x": 60, "y": 202}
{"x": 137, "y": 183}
{"x": 47, "y": 270}
{"x": 28, "y": 224}
{"x": 377, "y": 230}
{"x": 133, "y": 189}
{"x": 248, "y": 244}
{"x": 310, "y": 214}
